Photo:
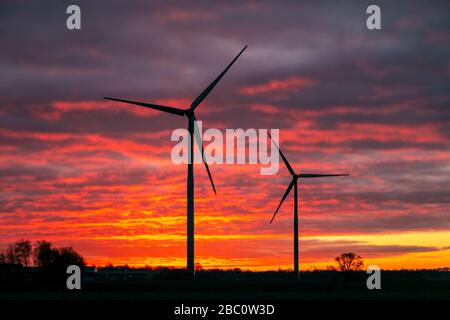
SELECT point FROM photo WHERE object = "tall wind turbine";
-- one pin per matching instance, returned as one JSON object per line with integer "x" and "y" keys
{"x": 293, "y": 183}
{"x": 189, "y": 113}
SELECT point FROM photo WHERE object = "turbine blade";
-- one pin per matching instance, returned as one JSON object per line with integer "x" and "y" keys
{"x": 284, "y": 197}
{"x": 198, "y": 138}
{"x": 315, "y": 175}
{"x": 211, "y": 86}
{"x": 288, "y": 166}
{"x": 172, "y": 110}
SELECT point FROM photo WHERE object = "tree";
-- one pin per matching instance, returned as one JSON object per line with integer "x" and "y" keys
{"x": 11, "y": 255}
{"x": 22, "y": 252}
{"x": 68, "y": 256}
{"x": 348, "y": 262}
{"x": 53, "y": 262}
{"x": 198, "y": 266}
{"x": 43, "y": 254}
{"x": 17, "y": 253}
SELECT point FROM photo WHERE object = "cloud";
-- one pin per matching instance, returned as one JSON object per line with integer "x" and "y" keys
{"x": 78, "y": 169}
{"x": 290, "y": 84}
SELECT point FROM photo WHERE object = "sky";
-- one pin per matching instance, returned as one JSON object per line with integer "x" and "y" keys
{"x": 97, "y": 175}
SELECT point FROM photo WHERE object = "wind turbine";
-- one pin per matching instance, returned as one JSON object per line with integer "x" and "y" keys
{"x": 189, "y": 113}
{"x": 293, "y": 183}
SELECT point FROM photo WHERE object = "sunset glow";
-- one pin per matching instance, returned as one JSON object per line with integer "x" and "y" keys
{"x": 97, "y": 175}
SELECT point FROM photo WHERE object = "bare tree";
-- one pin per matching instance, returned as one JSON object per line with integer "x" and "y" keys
{"x": 2, "y": 258}
{"x": 22, "y": 252}
{"x": 349, "y": 262}
{"x": 11, "y": 255}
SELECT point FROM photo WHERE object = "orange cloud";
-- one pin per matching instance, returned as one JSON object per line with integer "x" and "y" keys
{"x": 121, "y": 200}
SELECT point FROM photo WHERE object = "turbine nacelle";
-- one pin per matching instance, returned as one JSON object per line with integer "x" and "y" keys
{"x": 296, "y": 176}
{"x": 189, "y": 113}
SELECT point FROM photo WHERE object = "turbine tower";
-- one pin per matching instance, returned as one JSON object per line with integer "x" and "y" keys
{"x": 294, "y": 183}
{"x": 189, "y": 113}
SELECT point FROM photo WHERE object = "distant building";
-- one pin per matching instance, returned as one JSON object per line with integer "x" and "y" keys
{"x": 90, "y": 273}
{"x": 121, "y": 274}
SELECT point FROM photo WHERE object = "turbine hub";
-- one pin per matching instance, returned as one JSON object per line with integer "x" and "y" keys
{"x": 189, "y": 113}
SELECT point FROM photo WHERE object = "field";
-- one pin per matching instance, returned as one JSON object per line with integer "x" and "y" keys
{"x": 395, "y": 285}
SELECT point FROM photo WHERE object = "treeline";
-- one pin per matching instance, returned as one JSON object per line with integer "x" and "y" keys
{"x": 48, "y": 261}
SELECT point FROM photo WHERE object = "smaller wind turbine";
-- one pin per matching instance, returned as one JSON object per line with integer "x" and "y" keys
{"x": 293, "y": 183}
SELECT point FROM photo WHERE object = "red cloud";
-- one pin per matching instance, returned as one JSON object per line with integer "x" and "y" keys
{"x": 289, "y": 85}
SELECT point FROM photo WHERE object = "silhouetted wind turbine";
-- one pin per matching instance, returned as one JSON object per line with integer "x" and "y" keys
{"x": 189, "y": 113}
{"x": 293, "y": 183}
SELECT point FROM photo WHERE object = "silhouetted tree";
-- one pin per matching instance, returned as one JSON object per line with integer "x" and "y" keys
{"x": 198, "y": 266}
{"x": 17, "y": 253}
{"x": 12, "y": 262}
{"x": 11, "y": 255}
{"x": 22, "y": 252}
{"x": 68, "y": 256}
{"x": 53, "y": 262}
{"x": 43, "y": 254}
{"x": 349, "y": 262}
